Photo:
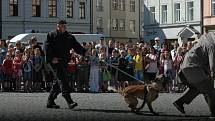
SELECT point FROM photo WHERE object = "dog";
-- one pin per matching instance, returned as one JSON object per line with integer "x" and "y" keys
{"x": 146, "y": 92}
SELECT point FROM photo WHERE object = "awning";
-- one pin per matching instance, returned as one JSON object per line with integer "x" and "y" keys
{"x": 188, "y": 32}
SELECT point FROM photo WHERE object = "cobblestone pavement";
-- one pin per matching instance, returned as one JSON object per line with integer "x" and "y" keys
{"x": 95, "y": 107}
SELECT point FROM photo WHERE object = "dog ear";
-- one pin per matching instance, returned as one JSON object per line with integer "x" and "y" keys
{"x": 153, "y": 86}
{"x": 149, "y": 88}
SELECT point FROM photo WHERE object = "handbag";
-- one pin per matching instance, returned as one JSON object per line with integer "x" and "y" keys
{"x": 106, "y": 76}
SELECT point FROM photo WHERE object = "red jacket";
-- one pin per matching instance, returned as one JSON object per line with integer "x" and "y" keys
{"x": 8, "y": 66}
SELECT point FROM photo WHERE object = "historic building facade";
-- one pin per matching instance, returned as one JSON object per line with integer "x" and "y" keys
{"x": 172, "y": 19}
{"x": 209, "y": 15}
{"x": 119, "y": 20}
{"x": 21, "y": 16}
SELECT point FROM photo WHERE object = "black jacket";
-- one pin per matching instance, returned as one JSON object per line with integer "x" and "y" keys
{"x": 59, "y": 45}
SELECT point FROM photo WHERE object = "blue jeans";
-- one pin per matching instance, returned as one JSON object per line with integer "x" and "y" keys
{"x": 139, "y": 74}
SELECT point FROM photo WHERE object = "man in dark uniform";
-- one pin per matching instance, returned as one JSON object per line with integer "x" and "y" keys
{"x": 58, "y": 46}
{"x": 197, "y": 72}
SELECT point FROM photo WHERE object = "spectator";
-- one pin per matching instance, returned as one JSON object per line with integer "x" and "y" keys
{"x": 138, "y": 63}
{"x": 103, "y": 68}
{"x": 19, "y": 47}
{"x": 189, "y": 45}
{"x": 169, "y": 72}
{"x": 130, "y": 66}
{"x": 113, "y": 60}
{"x": 37, "y": 63}
{"x": 27, "y": 70}
{"x": 157, "y": 45}
{"x": 110, "y": 47}
{"x": 72, "y": 70}
{"x": 164, "y": 47}
{"x": 122, "y": 64}
{"x": 103, "y": 45}
{"x": 17, "y": 69}
{"x": 174, "y": 50}
{"x": 152, "y": 66}
{"x": 33, "y": 44}
{"x": 8, "y": 73}
{"x": 94, "y": 72}
{"x": 116, "y": 46}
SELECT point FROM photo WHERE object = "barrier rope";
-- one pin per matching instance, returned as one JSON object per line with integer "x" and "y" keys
{"x": 123, "y": 72}
{"x": 55, "y": 75}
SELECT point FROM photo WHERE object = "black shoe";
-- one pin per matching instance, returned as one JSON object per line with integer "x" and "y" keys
{"x": 72, "y": 105}
{"x": 180, "y": 107}
{"x": 52, "y": 105}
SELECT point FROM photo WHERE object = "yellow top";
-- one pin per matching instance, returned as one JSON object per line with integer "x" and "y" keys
{"x": 138, "y": 62}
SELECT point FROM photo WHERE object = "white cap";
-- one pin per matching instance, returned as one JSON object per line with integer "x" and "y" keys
{"x": 157, "y": 38}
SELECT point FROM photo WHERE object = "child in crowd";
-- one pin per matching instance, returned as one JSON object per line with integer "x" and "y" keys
{"x": 113, "y": 60}
{"x": 130, "y": 67}
{"x": 37, "y": 63}
{"x": 94, "y": 72}
{"x": 138, "y": 63}
{"x": 168, "y": 72}
{"x": 17, "y": 69}
{"x": 82, "y": 74}
{"x": 122, "y": 63}
{"x": 8, "y": 72}
{"x": 72, "y": 70}
{"x": 176, "y": 63}
{"x": 103, "y": 67}
{"x": 27, "y": 71}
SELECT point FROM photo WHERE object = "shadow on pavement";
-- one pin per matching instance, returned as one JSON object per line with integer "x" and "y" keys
{"x": 104, "y": 111}
{"x": 144, "y": 113}
{"x": 167, "y": 117}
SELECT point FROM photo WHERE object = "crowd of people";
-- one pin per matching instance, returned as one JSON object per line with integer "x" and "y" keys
{"x": 107, "y": 63}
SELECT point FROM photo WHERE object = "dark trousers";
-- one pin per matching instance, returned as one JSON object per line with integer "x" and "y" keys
{"x": 61, "y": 84}
{"x": 193, "y": 91}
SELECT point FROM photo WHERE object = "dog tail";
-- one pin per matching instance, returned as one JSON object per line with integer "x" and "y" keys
{"x": 119, "y": 90}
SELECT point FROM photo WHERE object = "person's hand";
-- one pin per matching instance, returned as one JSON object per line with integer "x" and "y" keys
{"x": 55, "y": 60}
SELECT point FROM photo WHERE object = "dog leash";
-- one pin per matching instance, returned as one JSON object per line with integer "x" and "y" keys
{"x": 123, "y": 72}
{"x": 52, "y": 70}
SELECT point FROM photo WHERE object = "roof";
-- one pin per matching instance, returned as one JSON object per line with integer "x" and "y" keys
{"x": 18, "y": 37}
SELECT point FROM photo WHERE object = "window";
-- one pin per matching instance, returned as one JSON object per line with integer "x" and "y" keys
{"x": 115, "y": 5}
{"x": 99, "y": 25}
{"x": 99, "y": 22}
{"x": 122, "y": 25}
{"x": 115, "y": 24}
{"x": 152, "y": 14}
{"x": 190, "y": 11}
{"x": 52, "y": 8}
{"x": 164, "y": 13}
{"x": 122, "y": 5}
{"x": 36, "y": 8}
{"x": 132, "y": 6}
{"x": 13, "y": 9}
{"x": 69, "y": 8}
{"x": 82, "y": 10}
{"x": 213, "y": 8}
{"x": 177, "y": 10}
{"x": 99, "y": 6}
{"x": 132, "y": 25}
